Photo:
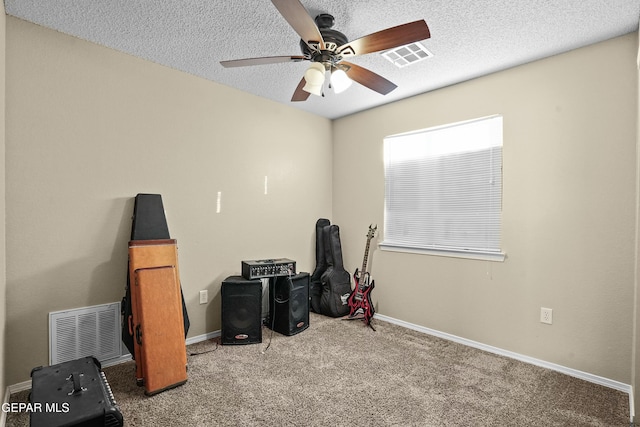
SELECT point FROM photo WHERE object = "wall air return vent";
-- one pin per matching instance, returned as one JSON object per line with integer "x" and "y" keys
{"x": 407, "y": 54}
{"x": 89, "y": 331}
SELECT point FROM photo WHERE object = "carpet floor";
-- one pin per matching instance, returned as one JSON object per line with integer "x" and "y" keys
{"x": 342, "y": 373}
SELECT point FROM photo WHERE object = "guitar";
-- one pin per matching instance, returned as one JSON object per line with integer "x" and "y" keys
{"x": 360, "y": 299}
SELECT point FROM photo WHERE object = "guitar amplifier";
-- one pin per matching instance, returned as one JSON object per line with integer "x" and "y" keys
{"x": 74, "y": 393}
{"x": 268, "y": 268}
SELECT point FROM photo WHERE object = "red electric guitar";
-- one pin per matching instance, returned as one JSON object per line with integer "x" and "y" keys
{"x": 360, "y": 305}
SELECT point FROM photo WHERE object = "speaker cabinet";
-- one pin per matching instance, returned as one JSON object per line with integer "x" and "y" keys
{"x": 241, "y": 310}
{"x": 289, "y": 304}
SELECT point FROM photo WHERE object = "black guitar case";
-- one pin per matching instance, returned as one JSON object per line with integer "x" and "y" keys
{"x": 315, "y": 283}
{"x": 336, "y": 281}
{"x": 149, "y": 223}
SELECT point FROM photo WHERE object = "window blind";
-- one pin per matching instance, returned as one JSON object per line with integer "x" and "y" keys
{"x": 443, "y": 188}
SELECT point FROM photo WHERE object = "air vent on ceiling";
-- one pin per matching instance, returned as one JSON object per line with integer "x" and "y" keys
{"x": 407, "y": 54}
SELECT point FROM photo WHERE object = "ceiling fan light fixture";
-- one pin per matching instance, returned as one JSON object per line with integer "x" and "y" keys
{"x": 340, "y": 81}
{"x": 313, "y": 89}
{"x": 314, "y": 77}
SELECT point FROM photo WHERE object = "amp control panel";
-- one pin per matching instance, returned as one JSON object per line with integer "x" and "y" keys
{"x": 257, "y": 269}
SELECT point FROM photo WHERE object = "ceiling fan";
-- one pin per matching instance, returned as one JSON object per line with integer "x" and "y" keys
{"x": 326, "y": 49}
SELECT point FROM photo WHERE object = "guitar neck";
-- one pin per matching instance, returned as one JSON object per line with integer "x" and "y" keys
{"x": 366, "y": 256}
{"x": 363, "y": 271}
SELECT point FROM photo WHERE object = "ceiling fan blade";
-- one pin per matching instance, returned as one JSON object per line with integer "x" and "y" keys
{"x": 261, "y": 61}
{"x": 367, "y": 78}
{"x": 299, "y": 94}
{"x": 386, "y": 39}
{"x": 298, "y": 17}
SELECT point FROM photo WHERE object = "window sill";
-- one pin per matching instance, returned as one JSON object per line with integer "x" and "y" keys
{"x": 479, "y": 255}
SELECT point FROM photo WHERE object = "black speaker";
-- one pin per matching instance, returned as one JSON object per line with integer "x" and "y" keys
{"x": 241, "y": 310}
{"x": 289, "y": 304}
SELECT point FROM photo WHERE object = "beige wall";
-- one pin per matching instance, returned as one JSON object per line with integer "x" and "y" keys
{"x": 3, "y": 278}
{"x": 88, "y": 128}
{"x": 568, "y": 211}
{"x": 636, "y": 342}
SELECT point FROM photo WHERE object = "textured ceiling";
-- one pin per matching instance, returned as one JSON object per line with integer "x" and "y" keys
{"x": 468, "y": 38}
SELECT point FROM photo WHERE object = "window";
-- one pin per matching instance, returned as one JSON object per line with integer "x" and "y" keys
{"x": 443, "y": 190}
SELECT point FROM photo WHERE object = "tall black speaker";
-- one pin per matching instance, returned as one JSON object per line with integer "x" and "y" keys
{"x": 289, "y": 303}
{"x": 241, "y": 310}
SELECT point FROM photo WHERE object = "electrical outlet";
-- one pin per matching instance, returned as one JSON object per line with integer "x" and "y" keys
{"x": 204, "y": 296}
{"x": 546, "y": 315}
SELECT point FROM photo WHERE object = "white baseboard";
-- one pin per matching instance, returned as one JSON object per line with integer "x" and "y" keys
{"x": 3, "y": 414}
{"x": 203, "y": 337}
{"x": 116, "y": 361}
{"x": 632, "y": 408}
{"x": 15, "y": 388}
{"x": 616, "y": 385}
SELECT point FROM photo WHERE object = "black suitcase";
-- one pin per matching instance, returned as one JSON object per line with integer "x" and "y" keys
{"x": 74, "y": 393}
